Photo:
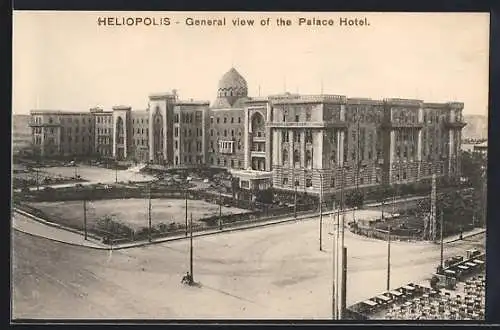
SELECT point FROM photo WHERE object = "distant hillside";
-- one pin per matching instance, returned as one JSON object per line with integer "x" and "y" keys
{"x": 21, "y": 132}
{"x": 477, "y": 127}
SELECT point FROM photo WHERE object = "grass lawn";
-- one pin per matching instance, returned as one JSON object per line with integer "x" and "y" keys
{"x": 131, "y": 212}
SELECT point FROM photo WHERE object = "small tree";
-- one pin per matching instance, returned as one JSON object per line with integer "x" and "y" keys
{"x": 354, "y": 198}
{"x": 265, "y": 196}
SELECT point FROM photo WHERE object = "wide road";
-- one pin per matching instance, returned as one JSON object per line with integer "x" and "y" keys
{"x": 270, "y": 272}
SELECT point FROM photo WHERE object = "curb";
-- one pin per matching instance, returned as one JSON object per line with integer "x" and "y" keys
{"x": 143, "y": 244}
{"x": 166, "y": 240}
{"x": 466, "y": 236}
{"x": 51, "y": 224}
{"x": 63, "y": 242}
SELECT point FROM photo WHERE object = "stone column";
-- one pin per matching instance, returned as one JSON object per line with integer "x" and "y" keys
{"x": 114, "y": 132}
{"x": 451, "y": 148}
{"x": 340, "y": 148}
{"x": 318, "y": 150}
{"x": 165, "y": 123}
{"x": 59, "y": 144}
{"x": 42, "y": 145}
{"x": 276, "y": 152}
{"x": 246, "y": 139}
{"x": 391, "y": 153}
{"x": 151, "y": 145}
{"x": 302, "y": 149}
{"x": 269, "y": 139}
{"x": 419, "y": 152}
{"x": 125, "y": 137}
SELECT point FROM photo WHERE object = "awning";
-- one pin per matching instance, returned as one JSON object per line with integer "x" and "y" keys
{"x": 382, "y": 297}
{"x": 370, "y": 303}
{"x": 396, "y": 293}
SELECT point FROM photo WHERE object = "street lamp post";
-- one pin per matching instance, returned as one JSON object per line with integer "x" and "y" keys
{"x": 334, "y": 279}
{"x": 295, "y": 201}
{"x": 220, "y": 210}
{"x": 186, "y": 199}
{"x": 149, "y": 212}
{"x": 321, "y": 212}
{"x": 85, "y": 218}
{"x": 191, "y": 248}
{"x": 388, "y": 258}
{"x": 441, "y": 238}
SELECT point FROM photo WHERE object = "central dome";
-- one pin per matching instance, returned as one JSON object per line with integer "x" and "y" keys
{"x": 232, "y": 86}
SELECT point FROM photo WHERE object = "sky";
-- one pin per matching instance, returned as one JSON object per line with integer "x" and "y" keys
{"x": 67, "y": 61}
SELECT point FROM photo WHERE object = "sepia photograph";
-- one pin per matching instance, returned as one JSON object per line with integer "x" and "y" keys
{"x": 249, "y": 165}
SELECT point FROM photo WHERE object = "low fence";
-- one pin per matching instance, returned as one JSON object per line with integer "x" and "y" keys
{"x": 395, "y": 235}
{"x": 113, "y": 192}
{"x": 115, "y": 232}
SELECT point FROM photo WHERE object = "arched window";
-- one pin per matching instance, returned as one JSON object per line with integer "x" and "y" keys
{"x": 257, "y": 122}
{"x": 296, "y": 158}
{"x": 285, "y": 157}
{"x": 308, "y": 159}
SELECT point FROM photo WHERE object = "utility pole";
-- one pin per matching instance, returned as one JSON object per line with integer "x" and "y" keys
{"x": 334, "y": 243}
{"x": 149, "y": 212}
{"x": 321, "y": 213}
{"x": 295, "y": 201}
{"x": 337, "y": 269}
{"x": 442, "y": 242}
{"x": 85, "y": 218}
{"x": 220, "y": 210}
{"x": 116, "y": 171}
{"x": 191, "y": 248}
{"x": 340, "y": 270}
{"x": 343, "y": 297}
{"x": 186, "y": 199}
{"x": 388, "y": 258}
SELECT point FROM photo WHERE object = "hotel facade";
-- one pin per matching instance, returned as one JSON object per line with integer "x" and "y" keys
{"x": 288, "y": 141}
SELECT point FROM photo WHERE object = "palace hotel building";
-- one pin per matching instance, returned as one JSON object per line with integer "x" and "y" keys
{"x": 311, "y": 142}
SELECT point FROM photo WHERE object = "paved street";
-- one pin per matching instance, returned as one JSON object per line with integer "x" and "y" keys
{"x": 94, "y": 175}
{"x": 269, "y": 272}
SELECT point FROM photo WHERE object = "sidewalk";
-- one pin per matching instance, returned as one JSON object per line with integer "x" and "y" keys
{"x": 473, "y": 232}
{"x": 29, "y": 226}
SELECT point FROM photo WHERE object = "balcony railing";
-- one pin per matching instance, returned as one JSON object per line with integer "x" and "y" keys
{"x": 258, "y": 153}
{"x": 35, "y": 124}
{"x": 393, "y": 125}
{"x": 456, "y": 124}
{"x": 308, "y": 124}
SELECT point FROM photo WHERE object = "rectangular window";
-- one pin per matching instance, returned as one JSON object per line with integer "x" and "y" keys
{"x": 309, "y": 183}
{"x": 285, "y": 181}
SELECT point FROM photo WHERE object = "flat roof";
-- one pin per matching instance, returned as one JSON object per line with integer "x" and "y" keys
{"x": 251, "y": 174}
